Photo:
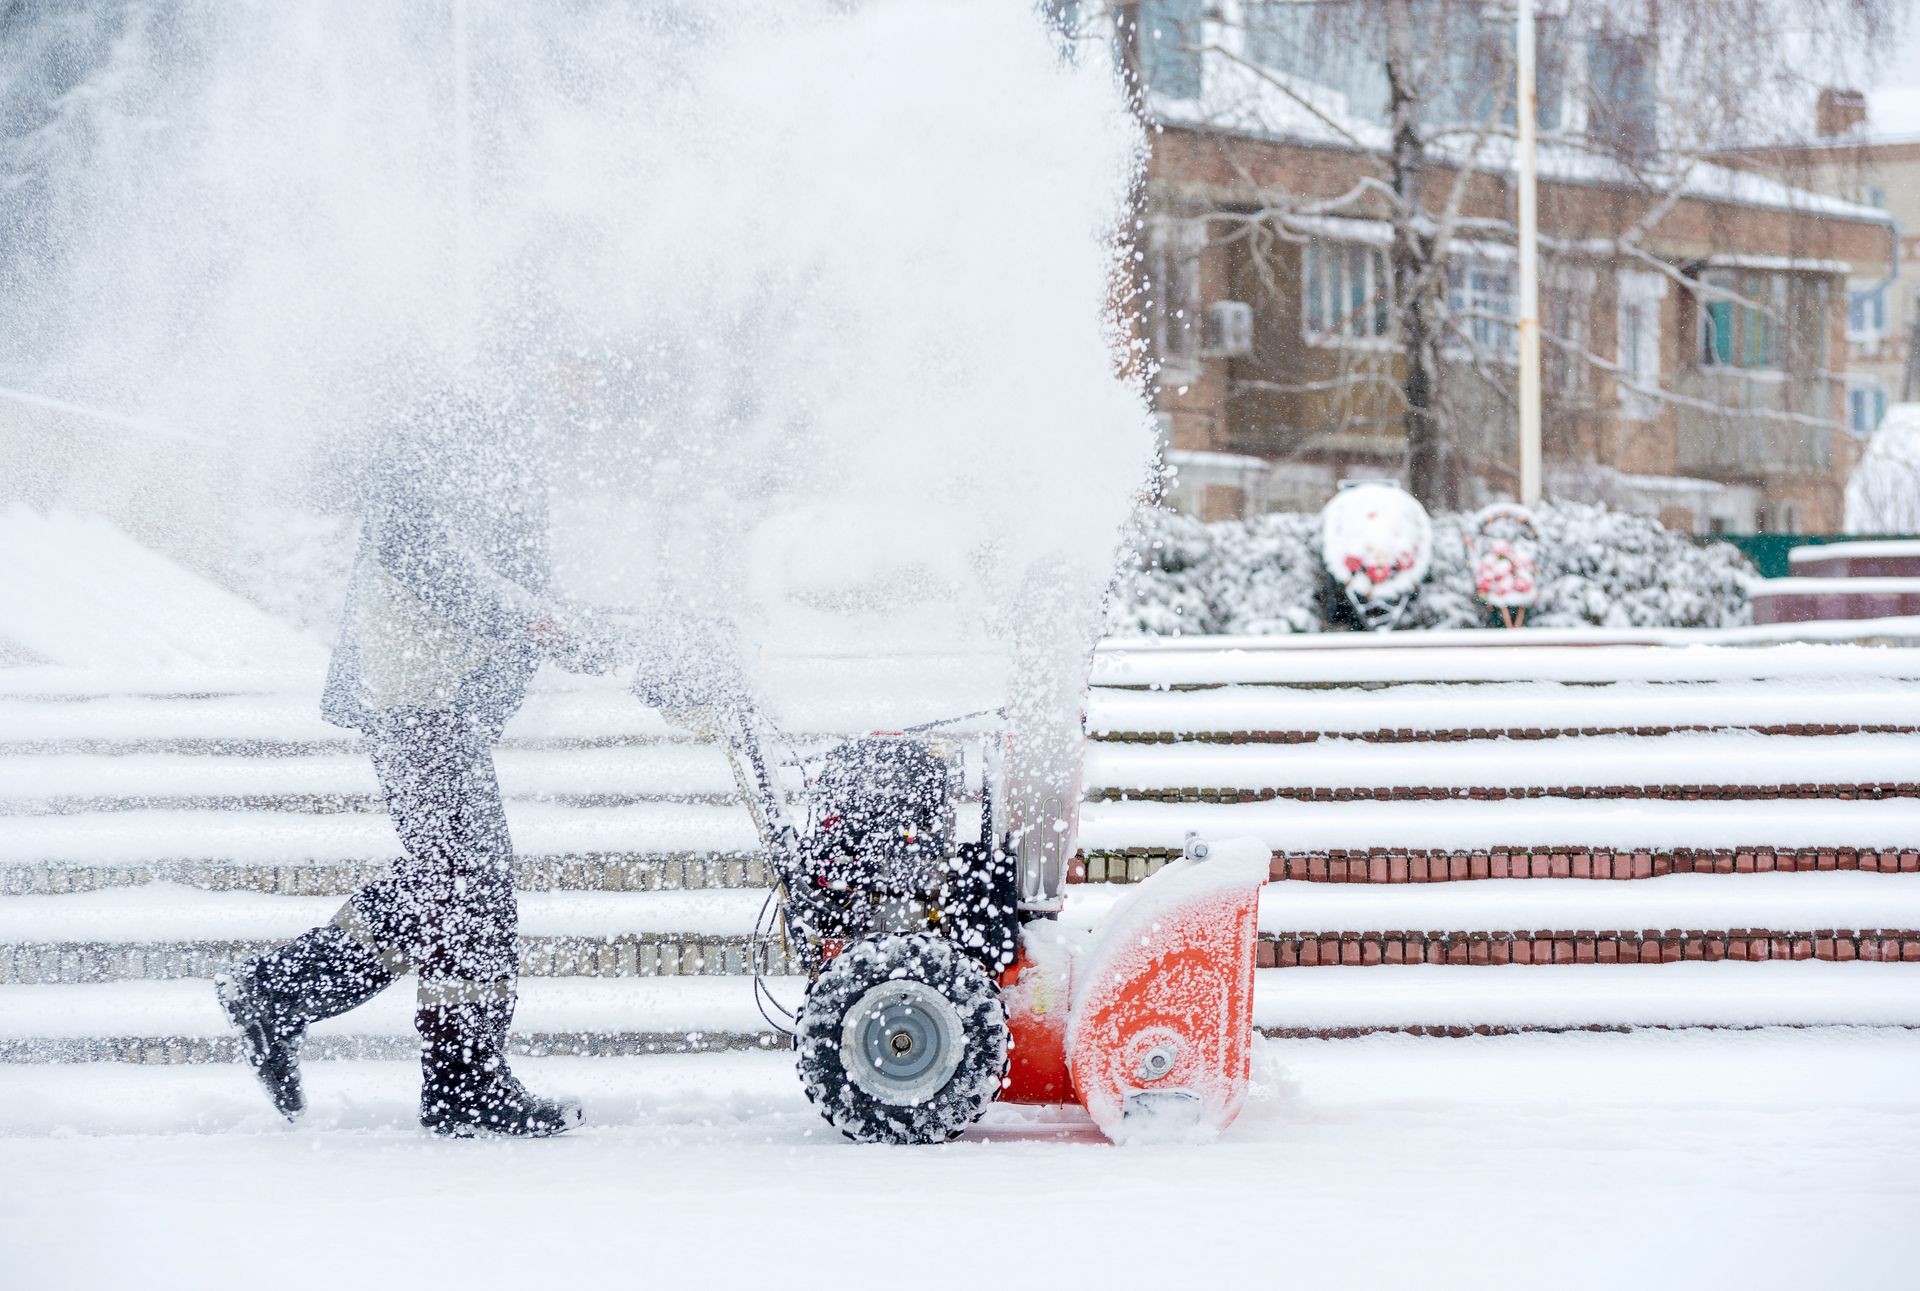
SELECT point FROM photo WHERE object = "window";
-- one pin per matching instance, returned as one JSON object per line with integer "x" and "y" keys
{"x": 1866, "y": 405}
{"x": 1170, "y": 37}
{"x": 1867, "y": 313}
{"x": 1734, "y": 335}
{"x": 1173, "y": 289}
{"x": 1346, "y": 292}
{"x": 1621, "y": 111}
{"x": 1641, "y": 295}
{"x": 1342, "y": 48}
{"x": 1481, "y": 295}
{"x": 1780, "y": 324}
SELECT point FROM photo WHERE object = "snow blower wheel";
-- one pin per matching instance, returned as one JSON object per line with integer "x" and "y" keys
{"x": 903, "y": 1039}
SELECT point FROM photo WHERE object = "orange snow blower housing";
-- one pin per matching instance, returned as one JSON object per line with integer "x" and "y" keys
{"x": 945, "y": 972}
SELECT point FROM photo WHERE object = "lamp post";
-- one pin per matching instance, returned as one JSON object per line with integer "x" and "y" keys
{"x": 465, "y": 288}
{"x": 1529, "y": 263}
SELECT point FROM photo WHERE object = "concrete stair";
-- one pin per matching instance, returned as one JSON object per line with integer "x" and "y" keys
{"x": 1432, "y": 814}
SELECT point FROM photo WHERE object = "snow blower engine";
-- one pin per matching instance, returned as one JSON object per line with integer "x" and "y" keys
{"x": 941, "y": 978}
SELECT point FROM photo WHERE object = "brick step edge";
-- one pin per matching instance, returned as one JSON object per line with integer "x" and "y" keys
{"x": 1430, "y": 793}
{"x": 1652, "y": 946}
{"x": 630, "y": 955}
{"x": 1463, "y": 733}
{"x": 162, "y": 1050}
{"x": 318, "y": 804}
{"x": 595, "y": 872}
{"x": 1401, "y": 865}
{"x": 1460, "y": 1032}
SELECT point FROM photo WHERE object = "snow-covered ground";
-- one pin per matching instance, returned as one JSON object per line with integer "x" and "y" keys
{"x": 1760, "y": 1159}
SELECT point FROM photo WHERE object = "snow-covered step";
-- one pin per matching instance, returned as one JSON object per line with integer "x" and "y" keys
{"x": 539, "y": 829}
{"x": 1148, "y": 665}
{"x": 1526, "y": 825}
{"x": 1724, "y": 764}
{"x": 180, "y": 1021}
{"x": 1517, "y": 708}
{"x": 68, "y": 782}
{"x": 168, "y": 930}
{"x": 245, "y": 722}
{"x": 1460, "y": 1001}
{"x": 163, "y": 912}
{"x": 1779, "y": 901}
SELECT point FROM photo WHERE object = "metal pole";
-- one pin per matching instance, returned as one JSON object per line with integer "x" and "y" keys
{"x": 465, "y": 287}
{"x": 1529, "y": 267}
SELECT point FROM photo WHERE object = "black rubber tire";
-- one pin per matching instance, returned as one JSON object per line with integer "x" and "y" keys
{"x": 966, "y": 987}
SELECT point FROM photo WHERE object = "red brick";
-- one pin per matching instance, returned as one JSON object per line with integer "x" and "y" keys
{"x": 1828, "y": 861}
{"x": 1824, "y": 948}
{"x": 1456, "y": 951}
{"x": 1499, "y": 865}
{"x": 1265, "y": 955}
{"x": 1310, "y": 953}
{"x": 1456, "y": 868}
{"x": 1607, "y": 952}
{"x": 1477, "y": 866}
{"x": 1370, "y": 952}
{"x": 1650, "y": 952}
{"x": 1642, "y": 865}
{"x": 1583, "y": 951}
{"x": 1801, "y": 948}
{"x": 1376, "y": 869}
{"x": 1910, "y": 952}
{"x": 1743, "y": 862}
{"x": 1520, "y": 950}
{"x": 1764, "y": 861}
{"x": 1435, "y": 952}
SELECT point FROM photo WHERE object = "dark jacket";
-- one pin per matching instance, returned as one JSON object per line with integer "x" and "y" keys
{"x": 452, "y": 570}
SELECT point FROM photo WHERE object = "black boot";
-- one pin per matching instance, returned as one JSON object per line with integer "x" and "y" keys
{"x": 465, "y": 1086}
{"x": 272, "y": 1000}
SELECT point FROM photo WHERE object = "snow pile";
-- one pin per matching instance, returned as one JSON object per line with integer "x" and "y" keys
{"x": 1883, "y": 494}
{"x": 1263, "y": 576}
{"x": 76, "y": 591}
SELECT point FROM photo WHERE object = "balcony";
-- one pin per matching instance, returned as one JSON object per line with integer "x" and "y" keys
{"x": 1736, "y": 443}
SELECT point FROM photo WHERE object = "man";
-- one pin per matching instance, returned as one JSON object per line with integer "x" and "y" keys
{"x": 449, "y": 611}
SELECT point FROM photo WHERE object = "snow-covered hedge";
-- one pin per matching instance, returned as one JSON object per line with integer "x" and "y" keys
{"x": 1264, "y": 576}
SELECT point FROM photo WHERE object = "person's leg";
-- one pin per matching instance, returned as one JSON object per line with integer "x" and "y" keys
{"x": 340, "y": 965}
{"x": 440, "y": 785}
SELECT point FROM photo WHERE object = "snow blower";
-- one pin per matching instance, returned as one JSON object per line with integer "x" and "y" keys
{"x": 941, "y": 978}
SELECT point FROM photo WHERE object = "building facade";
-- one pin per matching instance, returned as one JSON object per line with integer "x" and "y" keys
{"x": 1697, "y": 344}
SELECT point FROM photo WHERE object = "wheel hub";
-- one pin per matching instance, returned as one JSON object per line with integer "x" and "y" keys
{"x": 901, "y": 1042}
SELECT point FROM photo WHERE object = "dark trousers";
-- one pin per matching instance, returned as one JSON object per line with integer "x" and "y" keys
{"x": 447, "y": 909}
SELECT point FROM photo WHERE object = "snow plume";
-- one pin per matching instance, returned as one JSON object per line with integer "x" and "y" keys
{"x": 815, "y": 291}
{"x": 1883, "y": 494}
{"x": 1264, "y": 576}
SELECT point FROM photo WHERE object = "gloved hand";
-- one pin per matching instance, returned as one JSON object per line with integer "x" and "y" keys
{"x": 579, "y": 640}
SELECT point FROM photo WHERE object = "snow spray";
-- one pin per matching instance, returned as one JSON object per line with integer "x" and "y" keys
{"x": 826, "y": 286}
